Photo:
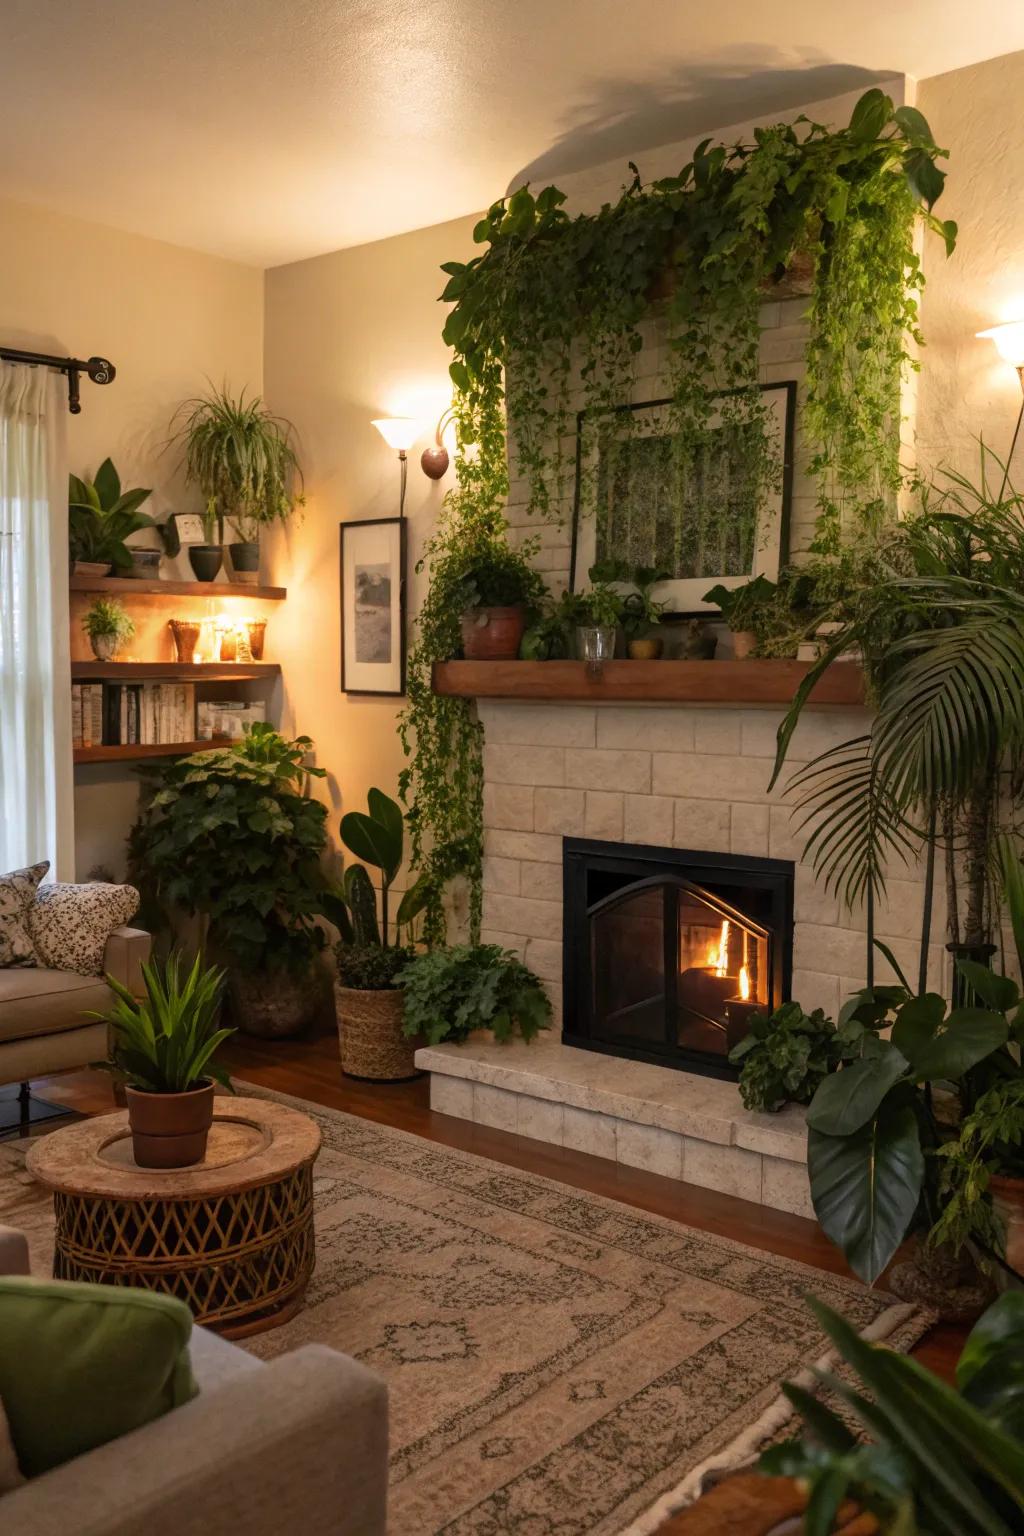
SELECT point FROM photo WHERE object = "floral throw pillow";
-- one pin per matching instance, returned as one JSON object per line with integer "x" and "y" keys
{"x": 70, "y": 924}
{"x": 17, "y": 893}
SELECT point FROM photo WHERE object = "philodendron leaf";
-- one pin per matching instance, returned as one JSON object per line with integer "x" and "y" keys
{"x": 414, "y": 900}
{"x": 917, "y": 1024}
{"x": 999, "y": 993}
{"x": 970, "y": 1034}
{"x": 865, "y": 1187}
{"x": 848, "y": 1099}
{"x": 389, "y": 814}
{"x": 990, "y": 1371}
{"x": 371, "y": 841}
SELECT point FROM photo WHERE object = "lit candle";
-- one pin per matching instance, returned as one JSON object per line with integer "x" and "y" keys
{"x": 739, "y": 1011}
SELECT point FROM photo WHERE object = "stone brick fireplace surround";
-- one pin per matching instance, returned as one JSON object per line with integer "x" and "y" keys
{"x": 670, "y": 776}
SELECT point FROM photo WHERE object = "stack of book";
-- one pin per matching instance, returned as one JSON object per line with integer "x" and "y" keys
{"x": 132, "y": 714}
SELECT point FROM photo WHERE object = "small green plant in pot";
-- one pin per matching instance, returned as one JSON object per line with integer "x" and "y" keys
{"x": 641, "y": 615}
{"x": 495, "y": 597}
{"x": 108, "y": 627}
{"x": 243, "y": 460}
{"x": 787, "y": 1053}
{"x": 101, "y": 516}
{"x": 367, "y": 994}
{"x": 163, "y": 1047}
{"x": 742, "y": 609}
{"x": 597, "y": 613}
{"x": 449, "y": 993}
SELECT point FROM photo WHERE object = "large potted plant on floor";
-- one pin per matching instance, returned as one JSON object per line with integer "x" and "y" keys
{"x": 233, "y": 837}
{"x": 367, "y": 994}
{"x": 163, "y": 1047}
{"x": 243, "y": 460}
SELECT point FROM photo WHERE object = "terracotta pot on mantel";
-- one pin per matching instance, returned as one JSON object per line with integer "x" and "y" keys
{"x": 743, "y": 643}
{"x": 493, "y": 634}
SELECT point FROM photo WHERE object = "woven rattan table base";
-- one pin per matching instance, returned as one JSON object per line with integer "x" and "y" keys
{"x": 240, "y": 1259}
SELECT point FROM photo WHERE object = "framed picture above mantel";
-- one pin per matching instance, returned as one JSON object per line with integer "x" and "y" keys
{"x": 641, "y": 500}
{"x": 373, "y": 554}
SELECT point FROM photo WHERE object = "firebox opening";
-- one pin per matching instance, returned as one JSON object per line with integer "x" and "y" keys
{"x": 669, "y": 952}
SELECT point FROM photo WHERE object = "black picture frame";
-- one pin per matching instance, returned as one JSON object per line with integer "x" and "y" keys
{"x": 785, "y": 393}
{"x": 377, "y": 536}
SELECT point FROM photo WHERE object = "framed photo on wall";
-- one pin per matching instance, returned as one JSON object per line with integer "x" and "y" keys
{"x": 373, "y": 606}
{"x": 697, "y": 520}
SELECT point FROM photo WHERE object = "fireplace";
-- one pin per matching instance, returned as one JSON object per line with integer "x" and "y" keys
{"x": 668, "y": 951}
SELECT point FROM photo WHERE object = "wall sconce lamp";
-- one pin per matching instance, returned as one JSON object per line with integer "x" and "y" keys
{"x": 1008, "y": 341}
{"x": 435, "y": 461}
{"x": 399, "y": 432}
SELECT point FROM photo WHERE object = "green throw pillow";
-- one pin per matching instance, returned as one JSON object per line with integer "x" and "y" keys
{"x": 83, "y": 1364}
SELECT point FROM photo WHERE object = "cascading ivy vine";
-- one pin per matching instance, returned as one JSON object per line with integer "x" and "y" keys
{"x": 554, "y": 312}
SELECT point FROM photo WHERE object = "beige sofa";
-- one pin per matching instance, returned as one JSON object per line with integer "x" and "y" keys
{"x": 44, "y": 1023}
{"x": 299, "y": 1444}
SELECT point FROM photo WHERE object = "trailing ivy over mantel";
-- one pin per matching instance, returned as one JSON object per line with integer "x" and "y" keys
{"x": 553, "y": 311}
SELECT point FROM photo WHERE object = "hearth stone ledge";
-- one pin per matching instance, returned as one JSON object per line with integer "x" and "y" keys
{"x": 677, "y": 1124}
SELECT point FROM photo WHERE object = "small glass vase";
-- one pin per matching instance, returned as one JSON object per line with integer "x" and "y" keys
{"x": 596, "y": 645}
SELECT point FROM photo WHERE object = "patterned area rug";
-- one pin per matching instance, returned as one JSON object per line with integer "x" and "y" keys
{"x": 558, "y": 1364}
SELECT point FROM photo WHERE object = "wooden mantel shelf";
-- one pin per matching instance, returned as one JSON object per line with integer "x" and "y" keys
{"x": 648, "y": 682}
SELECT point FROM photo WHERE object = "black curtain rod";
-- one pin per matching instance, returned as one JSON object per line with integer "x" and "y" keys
{"x": 97, "y": 368}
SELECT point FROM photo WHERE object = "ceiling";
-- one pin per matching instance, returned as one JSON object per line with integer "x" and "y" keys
{"x": 270, "y": 130}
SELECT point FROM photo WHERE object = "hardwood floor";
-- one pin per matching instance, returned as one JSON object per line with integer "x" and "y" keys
{"x": 309, "y": 1069}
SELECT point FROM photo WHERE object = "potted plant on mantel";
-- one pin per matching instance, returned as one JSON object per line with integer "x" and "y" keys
{"x": 495, "y": 595}
{"x": 741, "y": 608}
{"x": 108, "y": 627}
{"x": 243, "y": 460}
{"x": 163, "y": 1048}
{"x": 369, "y": 1002}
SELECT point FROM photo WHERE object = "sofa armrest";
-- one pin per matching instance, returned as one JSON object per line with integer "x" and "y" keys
{"x": 301, "y": 1445}
{"x": 13, "y": 1252}
{"x": 126, "y": 949}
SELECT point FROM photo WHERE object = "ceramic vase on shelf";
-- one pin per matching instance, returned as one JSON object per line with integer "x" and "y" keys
{"x": 104, "y": 647}
{"x": 245, "y": 563}
{"x": 206, "y": 561}
{"x": 595, "y": 644}
{"x": 146, "y": 564}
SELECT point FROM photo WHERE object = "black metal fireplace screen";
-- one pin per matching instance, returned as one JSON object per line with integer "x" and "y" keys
{"x": 669, "y": 951}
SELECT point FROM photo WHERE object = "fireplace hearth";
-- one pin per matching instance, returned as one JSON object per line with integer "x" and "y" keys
{"x": 668, "y": 951}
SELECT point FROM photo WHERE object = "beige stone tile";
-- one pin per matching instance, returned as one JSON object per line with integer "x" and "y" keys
{"x": 648, "y": 819}
{"x": 730, "y": 1170}
{"x": 710, "y": 776}
{"x": 717, "y": 730}
{"x": 812, "y": 903}
{"x": 831, "y": 951}
{"x": 545, "y": 957}
{"x": 508, "y": 806}
{"x": 584, "y": 1131}
{"x": 503, "y": 940}
{"x": 656, "y": 730}
{"x": 523, "y": 915}
{"x": 782, "y": 1135}
{"x": 784, "y": 1187}
{"x": 501, "y": 876}
{"x": 748, "y": 831}
{"x": 537, "y": 725}
{"x": 541, "y": 881}
{"x": 626, "y": 771}
{"x": 560, "y": 811}
{"x": 702, "y": 825}
{"x": 645, "y": 1146}
{"x": 496, "y": 1107}
{"x": 523, "y": 765}
{"x": 604, "y": 815}
{"x": 816, "y": 989}
{"x": 451, "y": 1096}
{"x": 540, "y": 1119}
{"x": 509, "y": 844}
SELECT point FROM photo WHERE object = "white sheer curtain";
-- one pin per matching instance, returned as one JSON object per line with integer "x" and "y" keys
{"x": 36, "y": 793}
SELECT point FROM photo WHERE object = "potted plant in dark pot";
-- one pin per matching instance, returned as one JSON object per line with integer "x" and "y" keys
{"x": 101, "y": 516}
{"x": 243, "y": 460}
{"x": 367, "y": 995}
{"x": 496, "y": 593}
{"x": 107, "y": 627}
{"x": 232, "y": 836}
{"x": 163, "y": 1047}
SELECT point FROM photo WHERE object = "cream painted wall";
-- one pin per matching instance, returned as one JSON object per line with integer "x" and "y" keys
{"x": 965, "y": 390}
{"x": 167, "y": 318}
{"x": 349, "y": 337}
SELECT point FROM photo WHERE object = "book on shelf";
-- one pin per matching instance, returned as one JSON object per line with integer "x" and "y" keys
{"x": 132, "y": 714}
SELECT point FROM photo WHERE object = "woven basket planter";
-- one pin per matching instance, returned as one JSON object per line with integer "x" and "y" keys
{"x": 274, "y": 1005}
{"x": 370, "y": 1030}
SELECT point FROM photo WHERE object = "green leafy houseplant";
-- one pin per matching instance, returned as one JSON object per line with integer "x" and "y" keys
{"x": 233, "y": 836}
{"x": 787, "y": 1054}
{"x": 101, "y": 517}
{"x": 933, "y": 1460}
{"x": 163, "y": 1047}
{"x": 243, "y": 460}
{"x": 108, "y": 626}
{"x": 451, "y": 992}
{"x": 742, "y": 606}
{"x": 496, "y": 596}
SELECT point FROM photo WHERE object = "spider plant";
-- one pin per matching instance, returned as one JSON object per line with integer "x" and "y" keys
{"x": 164, "y": 1042}
{"x": 243, "y": 460}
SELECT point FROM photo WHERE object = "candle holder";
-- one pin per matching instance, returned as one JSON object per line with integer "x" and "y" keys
{"x": 257, "y": 630}
{"x": 186, "y": 638}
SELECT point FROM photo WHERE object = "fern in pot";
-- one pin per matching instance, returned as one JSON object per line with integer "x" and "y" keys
{"x": 107, "y": 626}
{"x": 367, "y": 992}
{"x": 243, "y": 460}
{"x": 163, "y": 1047}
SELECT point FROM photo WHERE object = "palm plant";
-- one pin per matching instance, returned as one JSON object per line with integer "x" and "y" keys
{"x": 943, "y": 646}
{"x": 243, "y": 460}
{"x": 165, "y": 1041}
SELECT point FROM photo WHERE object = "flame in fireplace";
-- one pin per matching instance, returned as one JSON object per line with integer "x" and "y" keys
{"x": 718, "y": 954}
{"x": 744, "y": 984}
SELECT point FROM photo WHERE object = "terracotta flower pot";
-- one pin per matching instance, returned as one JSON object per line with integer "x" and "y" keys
{"x": 1008, "y": 1199}
{"x": 373, "y": 1046}
{"x": 648, "y": 649}
{"x": 493, "y": 634}
{"x": 169, "y": 1130}
{"x": 743, "y": 642}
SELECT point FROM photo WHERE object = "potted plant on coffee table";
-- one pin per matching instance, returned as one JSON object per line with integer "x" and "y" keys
{"x": 108, "y": 627}
{"x": 495, "y": 594}
{"x": 163, "y": 1046}
{"x": 243, "y": 460}
{"x": 367, "y": 994}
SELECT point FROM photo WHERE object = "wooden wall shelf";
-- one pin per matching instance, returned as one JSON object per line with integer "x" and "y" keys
{"x": 172, "y": 671}
{"x": 648, "y": 682}
{"x": 126, "y": 586}
{"x": 139, "y": 750}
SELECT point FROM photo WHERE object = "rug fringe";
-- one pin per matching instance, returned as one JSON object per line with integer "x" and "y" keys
{"x": 745, "y": 1446}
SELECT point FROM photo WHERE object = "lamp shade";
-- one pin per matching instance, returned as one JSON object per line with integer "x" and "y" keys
{"x": 1009, "y": 341}
{"x": 399, "y": 432}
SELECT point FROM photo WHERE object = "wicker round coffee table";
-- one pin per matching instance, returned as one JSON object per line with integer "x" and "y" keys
{"x": 231, "y": 1236}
